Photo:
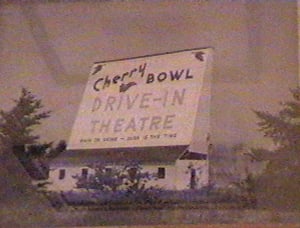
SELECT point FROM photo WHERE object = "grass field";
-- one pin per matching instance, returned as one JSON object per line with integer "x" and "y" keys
{"x": 15, "y": 217}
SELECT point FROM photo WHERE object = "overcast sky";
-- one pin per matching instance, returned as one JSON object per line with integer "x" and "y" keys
{"x": 50, "y": 47}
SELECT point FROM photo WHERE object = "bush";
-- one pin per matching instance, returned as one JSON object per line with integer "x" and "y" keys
{"x": 152, "y": 197}
{"x": 55, "y": 199}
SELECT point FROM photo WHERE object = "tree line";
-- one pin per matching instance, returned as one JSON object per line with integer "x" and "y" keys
{"x": 277, "y": 186}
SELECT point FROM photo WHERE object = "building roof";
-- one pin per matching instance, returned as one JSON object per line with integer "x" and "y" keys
{"x": 143, "y": 155}
{"x": 188, "y": 155}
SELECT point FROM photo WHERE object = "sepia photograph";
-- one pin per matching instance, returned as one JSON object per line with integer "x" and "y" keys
{"x": 165, "y": 113}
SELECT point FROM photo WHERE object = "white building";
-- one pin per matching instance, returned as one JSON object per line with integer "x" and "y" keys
{"x": 175, "y": 167}
{"x": 152, "y": 110}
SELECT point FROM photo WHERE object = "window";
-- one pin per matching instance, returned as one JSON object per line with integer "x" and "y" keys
{"x": 193, "y": 179}
{"x": 108, "y": 170}
{"x": 62, "y": 174}
{"x": 84, "y": 172}
{"x": 132, "y": 172}
{"x": 161, "y": 172}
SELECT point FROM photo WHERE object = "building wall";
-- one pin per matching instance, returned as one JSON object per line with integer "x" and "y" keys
{"x": 176, "y": 177}
{"x": 168, "y": 182}
{"x": 68, "y": 182}
{"x": 183, "y": 173}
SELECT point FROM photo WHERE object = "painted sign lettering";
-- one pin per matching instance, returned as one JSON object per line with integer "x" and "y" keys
{"x": 144, "y": 101}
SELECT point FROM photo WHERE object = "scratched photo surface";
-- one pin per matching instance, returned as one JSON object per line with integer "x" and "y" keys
{"x": 152, "y": 111}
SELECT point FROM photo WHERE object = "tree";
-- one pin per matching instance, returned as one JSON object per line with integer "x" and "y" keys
{"x": 129, "y": 177}
{"x": 16, "y": 188}
{"x": 16, "y": 125}
{"x": 280, "y": 182}
{"x": 103, "y": 179}
{"x": 121, "y": 184}
{"x": 59, "y": 148}
{"x": 246, "y": 188}
{"x": 38, "y": 150}
{"x": 16, "y": 130}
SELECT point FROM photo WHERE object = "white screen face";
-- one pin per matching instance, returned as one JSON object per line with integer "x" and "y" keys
{"x": 147, "y": 101}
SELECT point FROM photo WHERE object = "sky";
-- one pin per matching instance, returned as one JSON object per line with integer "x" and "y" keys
{"x": 49, "y": 48}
